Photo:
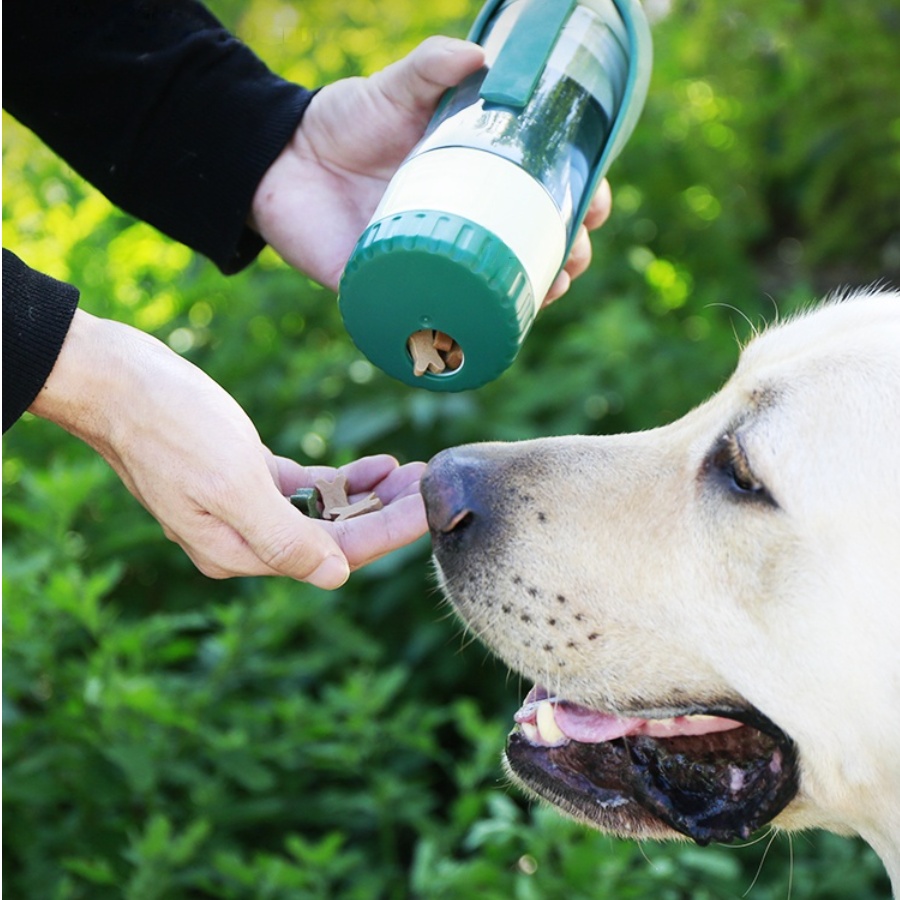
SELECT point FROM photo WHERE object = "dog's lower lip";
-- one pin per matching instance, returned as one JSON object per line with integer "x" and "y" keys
{"x": 713, "y": 780}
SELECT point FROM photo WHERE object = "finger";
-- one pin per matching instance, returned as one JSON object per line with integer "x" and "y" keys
{"x": 580, "y": 254}
{"x": 417, "y": 81}
{"x": 560, "y": 285}
{"x": 362, "y": 474}
{"x": 401, "y": 482}
{"x": 366, "y": 538}
{"x": 600, "y": 206}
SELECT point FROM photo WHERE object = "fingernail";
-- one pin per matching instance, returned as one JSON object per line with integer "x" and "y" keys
{"x": 332, "y": 572}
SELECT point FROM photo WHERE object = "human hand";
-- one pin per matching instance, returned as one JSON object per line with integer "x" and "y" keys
{"x": 319, "y": 194}
{"x": 188, "y": 452}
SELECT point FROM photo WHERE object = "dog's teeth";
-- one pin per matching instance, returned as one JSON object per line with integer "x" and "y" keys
{"x": 532, "y": 735}
{"x": 550, "y": 732}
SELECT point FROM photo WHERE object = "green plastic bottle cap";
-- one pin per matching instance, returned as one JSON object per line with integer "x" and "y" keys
{"x": 422, "y": 270}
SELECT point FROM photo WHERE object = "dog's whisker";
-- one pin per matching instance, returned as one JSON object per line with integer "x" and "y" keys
{"x": 755, "y": 329}
{"x": 773, "y": 833}
{"x": 467, "y": 637}
{"x": 767, "y": 834}
{"x": 641, "y": 846}
{"x": 790, "y": 866}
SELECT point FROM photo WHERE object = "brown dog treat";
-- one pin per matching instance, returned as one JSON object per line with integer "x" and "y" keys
{"x": 454, "y": 357}
{"x": 334, "y": 494}
{"x": 451, "y": 353}
{"x": 425, "y": 357}
{"x": 366, "y": 505}
{"x": 442, "y": 342}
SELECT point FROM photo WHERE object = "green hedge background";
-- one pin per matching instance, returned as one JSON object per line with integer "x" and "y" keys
{"x": 167, "y": 736}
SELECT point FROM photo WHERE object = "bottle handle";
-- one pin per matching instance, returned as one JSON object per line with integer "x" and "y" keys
{"x": 518, "y": 67}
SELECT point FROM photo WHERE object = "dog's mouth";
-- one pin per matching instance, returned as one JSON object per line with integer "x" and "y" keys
{"x": 712, "y": 775}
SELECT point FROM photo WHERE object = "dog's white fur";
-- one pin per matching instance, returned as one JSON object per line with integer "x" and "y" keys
{"x": 686, "y": 588}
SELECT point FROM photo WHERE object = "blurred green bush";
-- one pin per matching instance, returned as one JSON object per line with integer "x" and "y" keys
{"x": 166, "y": 736}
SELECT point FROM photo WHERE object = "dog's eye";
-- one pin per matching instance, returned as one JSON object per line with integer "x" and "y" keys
{"x": 729, "y": 461}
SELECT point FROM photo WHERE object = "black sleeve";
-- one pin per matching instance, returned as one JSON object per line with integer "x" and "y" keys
{"x": 37, "y": 311}
{"x": 157, "y": 105}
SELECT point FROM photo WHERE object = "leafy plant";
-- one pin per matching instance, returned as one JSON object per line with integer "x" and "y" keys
{"x": 166, "y": 736}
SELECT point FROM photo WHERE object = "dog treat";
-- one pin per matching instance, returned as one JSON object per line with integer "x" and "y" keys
{"x": 433, "y": 351}
{"x": 454, "y": 357}
{"x": 360, "y": 507}
{"x": 425, "y": 357}
{"x": 334, "y": 494}
{"x": 307, "y": 501}
{"x": 442, "y": 342}
{"x": 336, "y": 505}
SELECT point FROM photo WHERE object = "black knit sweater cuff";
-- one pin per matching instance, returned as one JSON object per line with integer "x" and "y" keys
{"x": 37, "y": 313}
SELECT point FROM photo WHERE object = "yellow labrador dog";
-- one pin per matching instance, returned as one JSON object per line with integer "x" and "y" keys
{"x": 710, "y": 611}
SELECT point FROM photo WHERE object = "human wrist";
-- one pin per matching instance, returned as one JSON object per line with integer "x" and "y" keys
{"x": 95, "y": 366}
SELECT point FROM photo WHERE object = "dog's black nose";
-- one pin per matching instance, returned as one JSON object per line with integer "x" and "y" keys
{"x": 452, "y": 491}
{"x": 445, "y": 490}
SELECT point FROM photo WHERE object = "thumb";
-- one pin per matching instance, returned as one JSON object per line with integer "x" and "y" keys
{"x": 417, "y": 81}
{"x": 289, "y": 543}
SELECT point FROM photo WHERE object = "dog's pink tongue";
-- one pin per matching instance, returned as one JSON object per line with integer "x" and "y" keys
{"x": 592, "y": 727}
{"x": 578, "y": 723}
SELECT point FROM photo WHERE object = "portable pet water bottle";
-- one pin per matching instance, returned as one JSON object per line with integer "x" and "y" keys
{"x": 447, "y": 278}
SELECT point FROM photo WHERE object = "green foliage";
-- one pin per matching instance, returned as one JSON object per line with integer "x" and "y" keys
{"x": 166, "y": 736}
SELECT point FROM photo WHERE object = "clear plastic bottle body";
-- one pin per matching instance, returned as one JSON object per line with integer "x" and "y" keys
{"x": 560, "y": 133}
